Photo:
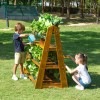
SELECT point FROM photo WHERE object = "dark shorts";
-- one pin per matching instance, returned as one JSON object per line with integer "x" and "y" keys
{"x": 83, "y": 84}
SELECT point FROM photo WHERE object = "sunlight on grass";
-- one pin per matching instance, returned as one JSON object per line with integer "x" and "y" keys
{"x": 12, "y": 23}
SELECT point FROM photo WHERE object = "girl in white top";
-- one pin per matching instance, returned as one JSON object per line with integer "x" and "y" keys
{"x": 80, "y": 74}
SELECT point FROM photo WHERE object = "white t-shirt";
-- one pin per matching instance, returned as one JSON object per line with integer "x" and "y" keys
{"x": 83, "y": 74}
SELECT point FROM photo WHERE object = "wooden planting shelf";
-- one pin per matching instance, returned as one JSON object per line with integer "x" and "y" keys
{"x": 43, "y": 81}
{"x": 41, "y": 44}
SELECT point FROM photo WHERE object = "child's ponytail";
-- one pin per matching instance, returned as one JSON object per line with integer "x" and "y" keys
{"x": 84, "y": 58}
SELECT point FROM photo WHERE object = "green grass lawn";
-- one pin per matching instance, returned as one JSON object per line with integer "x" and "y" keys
{"x": 74, "y": 39}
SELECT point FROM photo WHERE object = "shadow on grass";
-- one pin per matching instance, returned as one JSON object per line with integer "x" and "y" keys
{"x": 6, "y": 45}
{"x": 94, "y": 84}
{"x": 72, "y": 42}
{"x": 71, "y": 83}
{"x": 95, "y": 80}
{"x": 6, "y": 52}
{"x": 84, "y": 41}
{"x": 79, "y": 20}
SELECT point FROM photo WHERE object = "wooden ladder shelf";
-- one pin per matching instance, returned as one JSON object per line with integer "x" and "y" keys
{"x": 41, "y": 82}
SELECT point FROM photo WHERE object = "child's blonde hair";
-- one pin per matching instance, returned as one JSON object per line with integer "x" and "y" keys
{"x": 19, "y": 27}
{"x": 83, "y": 58}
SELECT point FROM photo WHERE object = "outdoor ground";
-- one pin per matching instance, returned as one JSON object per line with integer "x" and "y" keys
{"x": 82, "y": 38}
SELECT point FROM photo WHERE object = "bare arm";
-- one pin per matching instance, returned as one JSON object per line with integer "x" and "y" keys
{"x": 68, "y": 56}
{"x": 71, "y": 71}
{"x": 72, "y": 58}
{"x": 29, "y": 43}
{"x": 24, "y": 35}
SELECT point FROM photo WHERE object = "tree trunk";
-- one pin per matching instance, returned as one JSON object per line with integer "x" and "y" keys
{"x": 54, "y": 3}
{"x": 42, "y": 6}
{"x": 95, "y": 8}
{"x": 7, "y": 2}
{"x": 68, "y": 9}
{"x": 30, "y": 2}
{"x": 44, "y": 3}
{"x": 90, "y": 7}
{"x": 49, "y": 3}
{"x": 97, "y": 15}
{"x": 82, "y": 8}
{"x": 15, "y": 2}
{"x": 51, "y": 6}
{"x": 62, "y": 2}
{"x": 77, "y": 4}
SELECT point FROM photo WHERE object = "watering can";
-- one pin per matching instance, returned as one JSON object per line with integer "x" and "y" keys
{"x": 31, "y": 38}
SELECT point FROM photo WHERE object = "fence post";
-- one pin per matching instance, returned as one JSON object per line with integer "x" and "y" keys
{"x": 6, "y": 17}
{"x": 7, "y": 22}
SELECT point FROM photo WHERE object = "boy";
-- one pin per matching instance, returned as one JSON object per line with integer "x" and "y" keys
{"x": 19, "y": 50}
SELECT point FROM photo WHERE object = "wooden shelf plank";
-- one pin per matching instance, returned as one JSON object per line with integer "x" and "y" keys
{"x": 35, "y": 62}
{"x": 26, "y": 71}
{"x": 29, "y": 76}
{"x": 50, "y": 85}
{"x": 50, "y": 63}
{"x": 46, "y": 81}
{"x": 32, "y": 79}
{"x": 52, "y": 67}
{"x": 51, "y": 48}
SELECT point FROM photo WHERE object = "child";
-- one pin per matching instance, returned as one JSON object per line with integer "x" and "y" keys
{"x": 19, "y": 50}
{"x": 80, "y": 74}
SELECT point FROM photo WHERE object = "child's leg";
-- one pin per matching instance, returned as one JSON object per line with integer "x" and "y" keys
{"x": 76, "y": 79}
{"x": 21, "y": 68}
{"x": 14, "y": 69}
{"x": 22, "y": 60}
{"x": 22, "y": 72}
{"x": 14, "y": 77}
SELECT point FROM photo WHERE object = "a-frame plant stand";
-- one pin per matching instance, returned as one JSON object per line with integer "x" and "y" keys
{"x": 41, "y": 82}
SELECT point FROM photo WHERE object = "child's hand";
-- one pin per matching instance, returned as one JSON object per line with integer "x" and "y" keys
{"x": 30, "y": 43}
{"x": 67, "y": 56}
{"x": 68, "y": 69}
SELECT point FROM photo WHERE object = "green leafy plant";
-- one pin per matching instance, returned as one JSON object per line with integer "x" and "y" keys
{"x": 40, "y": 26}
{"x": 36, "y": 53}
{"x": 32, "y": 68}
